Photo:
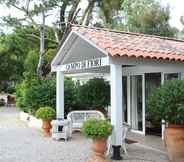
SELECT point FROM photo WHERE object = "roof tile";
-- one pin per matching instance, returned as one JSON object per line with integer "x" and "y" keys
{"x": 118, "y": 43}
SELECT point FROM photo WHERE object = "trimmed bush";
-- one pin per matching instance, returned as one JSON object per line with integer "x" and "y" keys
{"x": 95, "y": 93}
{"x": 34, "y": 93}
{"x": 167, "y": 102}
{"x": 96, "y": 128}
{"x": 45, "y": 113}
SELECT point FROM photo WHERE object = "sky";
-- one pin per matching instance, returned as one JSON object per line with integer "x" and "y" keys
{"x": 176, "y": 8}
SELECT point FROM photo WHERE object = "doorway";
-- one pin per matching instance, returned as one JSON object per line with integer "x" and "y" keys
{"x": 152, "y": 82}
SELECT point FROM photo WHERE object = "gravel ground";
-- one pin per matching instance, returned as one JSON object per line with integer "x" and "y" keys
{"x": 18, "y": 143}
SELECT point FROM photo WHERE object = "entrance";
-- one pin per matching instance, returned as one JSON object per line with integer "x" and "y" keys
{"x": 152, "y": 81}
{"x": 136, "y": 92}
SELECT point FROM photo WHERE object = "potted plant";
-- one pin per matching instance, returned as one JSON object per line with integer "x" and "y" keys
{"x": 99, "y": 130}
{"x": 167, "y": 102}
{"x": 46, "y": 114}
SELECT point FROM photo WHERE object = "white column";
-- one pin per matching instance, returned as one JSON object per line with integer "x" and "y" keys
{"x": 162, "y": 78}
{"x": 60, "y": 94}
{"x": 128, "y": 100}
{"x": 143, "y": 104}
{"x": 116, "y": 104}
{"x": 182, "y": 76}
{"x": 163, "y": 121}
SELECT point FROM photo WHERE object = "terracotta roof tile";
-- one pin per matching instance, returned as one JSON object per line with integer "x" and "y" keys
{"x": 134, "y": 44}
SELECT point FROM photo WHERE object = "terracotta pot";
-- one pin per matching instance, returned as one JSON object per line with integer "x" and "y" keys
{"x": 174, "y": 140}
{"x": 99, "y": 147}
{"x": 46, "y": 126}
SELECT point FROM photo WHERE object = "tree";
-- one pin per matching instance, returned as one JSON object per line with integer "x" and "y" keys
{"x": 147, "y": 16}
{"x": 68, "y": 13}
{"x": 181, "y": 34}
{"x": 31, "y": 10}
{"x": 11, "y": 56}
{"x": 105, "y": 9}
{"x": 14, "y": 48}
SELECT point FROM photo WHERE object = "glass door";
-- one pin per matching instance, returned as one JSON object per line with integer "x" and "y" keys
{"x": 136, "y": 103}
{"x": 152, "y": 81}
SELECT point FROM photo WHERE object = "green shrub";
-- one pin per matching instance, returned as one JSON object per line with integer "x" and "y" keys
{"x": 34, "y": 93}
{"x": 97, "y": 128}
{"x": 7, "y": 87}
{"x": 167, "y": 102}
{"x": 95, "y": 93}
{"x": 20, "y": 93}
{"x": 11, "y": 89}
{"x": 45, "y": 113}
{"x": 71, "y": 97}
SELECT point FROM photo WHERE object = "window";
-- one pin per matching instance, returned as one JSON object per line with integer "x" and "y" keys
{"x": 171, "y": 76}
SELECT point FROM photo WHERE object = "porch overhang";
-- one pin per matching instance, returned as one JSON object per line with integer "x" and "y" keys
{"x": 79, "y": 54}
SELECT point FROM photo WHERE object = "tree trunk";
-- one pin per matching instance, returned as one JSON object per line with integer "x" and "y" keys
{"x": 88, "y": 13}
{"x": 41, "y": 54}
{"x": 71, "y": 17}
{"x": 40, "y": 66}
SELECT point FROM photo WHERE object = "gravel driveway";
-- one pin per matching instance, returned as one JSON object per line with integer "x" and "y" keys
{"x": 18, "y": 143}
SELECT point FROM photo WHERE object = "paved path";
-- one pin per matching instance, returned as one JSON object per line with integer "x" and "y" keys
{"x": 18, "y": 143}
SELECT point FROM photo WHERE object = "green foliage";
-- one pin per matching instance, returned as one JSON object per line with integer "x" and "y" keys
{"x": 14, "y": 48}
{"x": 34, "y": 93}
{"x": 97, "y": 128}
{"x": 31, "y": 61}
{"x": 148, "y": 16}
{"x": 109, "y": 8}
{"x": 20, "y": 93}
{"x": 10, "y": 89}
{"x": 11, "y": 57}
{"x": 72, "y": 101}
{"x": 167, "y": 102}
{"x": 95, "y": 93}
{"x": 46, "y": 113}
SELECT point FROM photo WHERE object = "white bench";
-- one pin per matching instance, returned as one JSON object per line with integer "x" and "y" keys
{"x": 77, "y": 118}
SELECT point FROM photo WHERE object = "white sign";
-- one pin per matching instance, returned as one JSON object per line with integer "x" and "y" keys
{"x": 86, "y": 64}
{"x": 81, "y": 65}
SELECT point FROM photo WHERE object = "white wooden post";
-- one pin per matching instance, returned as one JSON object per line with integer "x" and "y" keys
{"x": 163, "y": 123}
{"x": 116, "y": 109}
{"x": 182, "y": 76}
{"x": 128, "y": 100}
{"x": 143, "y": 104}
{"x": 60, "y": 95}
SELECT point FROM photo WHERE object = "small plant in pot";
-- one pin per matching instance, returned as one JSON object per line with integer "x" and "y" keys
{"x": 167, "y": 102}
{"x": 99, "y": 130}
{"x": 46, "y": 114}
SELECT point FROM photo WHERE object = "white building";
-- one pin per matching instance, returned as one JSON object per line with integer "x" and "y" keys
{"x": 135, "y": 63}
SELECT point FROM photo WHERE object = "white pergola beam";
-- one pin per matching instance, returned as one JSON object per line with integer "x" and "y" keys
{"x": 60, "y": 95}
